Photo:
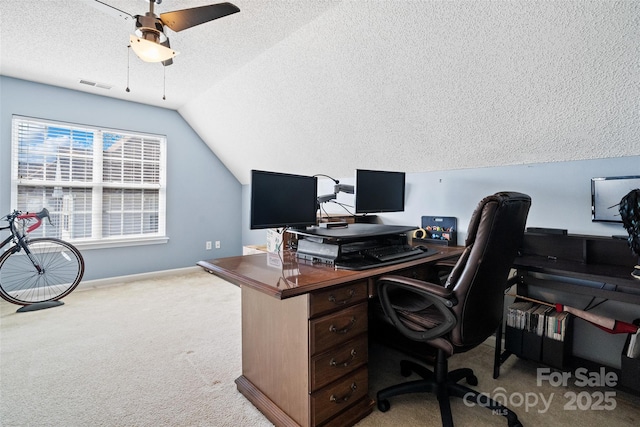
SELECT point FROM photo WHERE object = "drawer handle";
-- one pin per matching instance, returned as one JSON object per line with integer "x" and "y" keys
{"x": 332, "y": 298}
{"x": 344, "y": 330}
{"x": 346, "y": 397}
{"x": 346, "y": 362}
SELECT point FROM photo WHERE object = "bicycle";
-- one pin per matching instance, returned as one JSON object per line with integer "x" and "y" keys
{"x": 38, "y": 270}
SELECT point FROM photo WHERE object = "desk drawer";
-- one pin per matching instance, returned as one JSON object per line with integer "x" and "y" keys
{"x": 338, "y": 297}
{"x": 338, "y": 361}
{"x": 338, "y": 396}
{"x": 333, "y": 329}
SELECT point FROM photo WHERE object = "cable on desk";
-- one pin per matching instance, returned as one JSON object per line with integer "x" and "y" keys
{"x": 589, "y": 307}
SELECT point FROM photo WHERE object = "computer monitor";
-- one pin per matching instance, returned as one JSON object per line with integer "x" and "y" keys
{"x": 606, "y": 194}
{"x": 379, "y": 191}
{"x": 282, "y": 200}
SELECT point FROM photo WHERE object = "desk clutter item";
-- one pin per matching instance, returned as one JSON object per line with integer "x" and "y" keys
{"x": 538, "y": 332}
{"x": 439, "y": 230}
{"x": 274, "y": 241}
{"x": 633, "y": 345}
{"x": 630, "y": 361}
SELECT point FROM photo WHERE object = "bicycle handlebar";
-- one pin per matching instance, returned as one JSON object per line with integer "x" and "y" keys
{"x": 38, "y": 216}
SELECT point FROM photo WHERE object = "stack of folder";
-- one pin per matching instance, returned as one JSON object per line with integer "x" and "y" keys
{"x": 539, "y": 319}
{"x": 538, "y": 332}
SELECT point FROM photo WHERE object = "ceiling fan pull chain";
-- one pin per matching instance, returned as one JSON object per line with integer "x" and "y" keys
{"x": 128, "y": 60}
{"x": 164, "y": 82}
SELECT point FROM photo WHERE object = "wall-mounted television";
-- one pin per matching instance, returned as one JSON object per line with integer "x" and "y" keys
{"x": 379, "y": 191}
{"x": 606, "y": 194}
{"x": 282, "y": 200}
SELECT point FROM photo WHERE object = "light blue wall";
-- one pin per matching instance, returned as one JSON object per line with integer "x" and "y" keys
{"x": 560, "y": 192}
{"x": 203, "y": 197}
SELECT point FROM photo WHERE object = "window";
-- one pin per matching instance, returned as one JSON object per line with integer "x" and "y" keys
{"x": 100, "y": 185}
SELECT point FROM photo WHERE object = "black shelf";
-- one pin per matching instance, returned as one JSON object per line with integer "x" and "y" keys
{"x": 573, "y": 264}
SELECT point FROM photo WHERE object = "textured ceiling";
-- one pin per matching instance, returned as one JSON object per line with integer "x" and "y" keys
{"x": 61, "y": 42}
{"x": 313, "y": 86}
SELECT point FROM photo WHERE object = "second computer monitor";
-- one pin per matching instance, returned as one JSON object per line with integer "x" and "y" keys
{"x": 379, "y": 191}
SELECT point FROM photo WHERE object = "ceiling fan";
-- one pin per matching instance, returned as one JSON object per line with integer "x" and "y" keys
{"x": 150, "y": 42}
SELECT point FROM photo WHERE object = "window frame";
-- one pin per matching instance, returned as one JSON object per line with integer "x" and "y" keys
{"x": 97, "y": 184}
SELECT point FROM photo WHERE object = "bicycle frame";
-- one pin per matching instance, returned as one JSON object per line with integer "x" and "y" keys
{"x": 7, "y": 240}
{"x": 19, "y": 242}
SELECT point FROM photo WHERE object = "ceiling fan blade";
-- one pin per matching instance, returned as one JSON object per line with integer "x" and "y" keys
{"x": 179, "y": 20}
{"x": 170, "y": 60}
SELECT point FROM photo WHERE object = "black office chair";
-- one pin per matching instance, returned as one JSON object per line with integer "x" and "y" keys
{"x": 460, "y": 315}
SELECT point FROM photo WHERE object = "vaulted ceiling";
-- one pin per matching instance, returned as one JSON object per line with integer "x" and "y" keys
{"x": 327, "y": 86}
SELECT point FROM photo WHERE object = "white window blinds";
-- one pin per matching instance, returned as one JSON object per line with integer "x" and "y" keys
{"x": 97, "y": 183}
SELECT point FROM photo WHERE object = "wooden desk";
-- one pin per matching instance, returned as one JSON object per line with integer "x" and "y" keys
{"x": 304, "y": 334}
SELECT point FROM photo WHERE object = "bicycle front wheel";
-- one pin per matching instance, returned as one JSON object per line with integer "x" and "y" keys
{"x": 60, "y": 268}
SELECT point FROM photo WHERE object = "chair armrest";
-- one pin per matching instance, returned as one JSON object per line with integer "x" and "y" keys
{"x": 446, "y": 263}
{"x": 419, "y": 286}
{"x": 442, "y": 299}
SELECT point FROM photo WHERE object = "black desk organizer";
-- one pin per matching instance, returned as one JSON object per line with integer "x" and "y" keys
{"x": 438, "y": 230}
{"x": 522, "y": 339}
{"x": 531, "y": 346}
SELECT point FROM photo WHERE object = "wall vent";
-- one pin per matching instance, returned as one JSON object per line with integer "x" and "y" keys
{"x": 94, "y": 84}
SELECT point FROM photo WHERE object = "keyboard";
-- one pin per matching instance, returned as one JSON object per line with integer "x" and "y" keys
{"x": 391, "y": 252}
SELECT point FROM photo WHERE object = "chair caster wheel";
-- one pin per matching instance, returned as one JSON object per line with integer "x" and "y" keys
{"x": 472, "y": 380}
{"x": 383, "y": 405}
{"x": 515, "y": 424}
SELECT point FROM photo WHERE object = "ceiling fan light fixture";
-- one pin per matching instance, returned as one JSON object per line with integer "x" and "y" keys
{"x": 150, "y": 51}
{"x": 151, "y": 34}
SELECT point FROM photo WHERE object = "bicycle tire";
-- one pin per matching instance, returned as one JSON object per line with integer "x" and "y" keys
{"x": 62, "y": 270}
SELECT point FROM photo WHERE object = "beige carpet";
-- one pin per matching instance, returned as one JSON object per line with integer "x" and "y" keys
{"x": 165, "y": 352}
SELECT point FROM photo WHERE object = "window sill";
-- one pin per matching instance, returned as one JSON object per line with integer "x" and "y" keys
{"x": 118, "y": 243}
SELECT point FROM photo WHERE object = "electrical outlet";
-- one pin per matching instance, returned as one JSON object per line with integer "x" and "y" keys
{"x": 217, "y": 244}
{"x": 208, "y": 245}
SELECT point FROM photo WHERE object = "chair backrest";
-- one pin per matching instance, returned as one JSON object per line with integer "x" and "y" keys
{"x": 480, "y": 276}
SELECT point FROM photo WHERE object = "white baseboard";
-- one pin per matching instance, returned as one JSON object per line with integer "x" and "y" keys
{"x": 118, "y": 280}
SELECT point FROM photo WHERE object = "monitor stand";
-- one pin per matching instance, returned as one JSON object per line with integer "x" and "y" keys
{"x": 342, "y": 245}
{"x": 355, "y": 231}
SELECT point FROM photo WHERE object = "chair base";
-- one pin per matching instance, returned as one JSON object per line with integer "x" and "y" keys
{"x": 445, "y": 385}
